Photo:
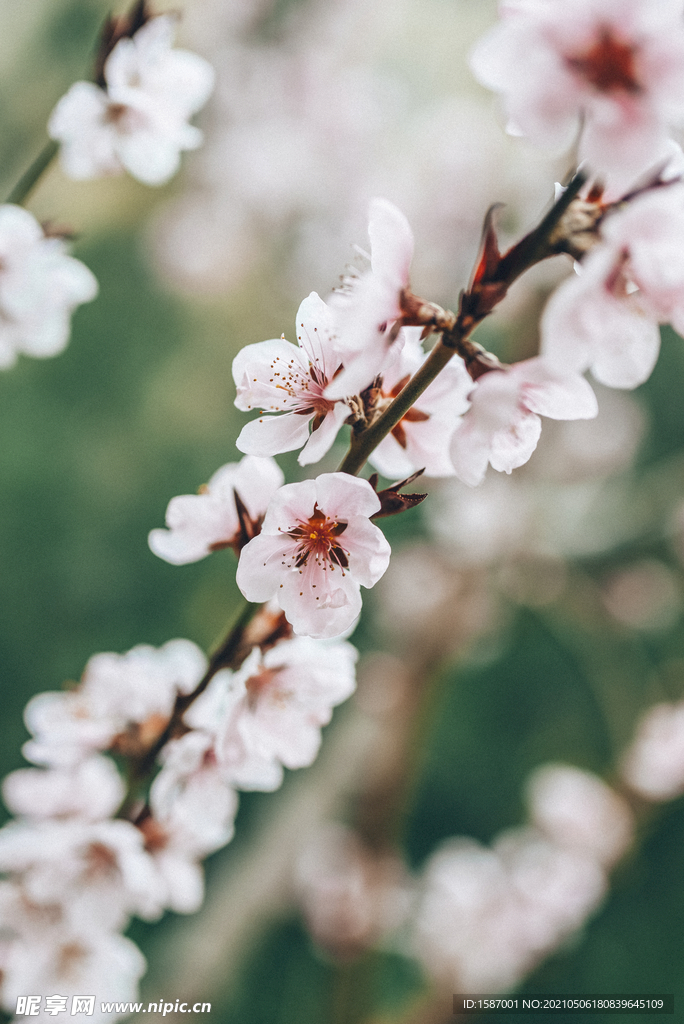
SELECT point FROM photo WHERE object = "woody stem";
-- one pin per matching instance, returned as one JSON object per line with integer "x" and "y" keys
{"x": 363, "y": 443}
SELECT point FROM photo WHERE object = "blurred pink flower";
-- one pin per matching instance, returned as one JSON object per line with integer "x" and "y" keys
{"x": 615, "y": 67}
{"x": 606, "y": 317}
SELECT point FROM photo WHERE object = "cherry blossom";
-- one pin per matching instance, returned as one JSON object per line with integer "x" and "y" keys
{"x": 40, "y": 286}
{"x": 502, "y": 426}
{"x": 421, "y": 438}
{"x": 190, "y": 798}
{"x": 368, "y": 307}
{"x": 139, "y": 122}
{"x": 317, "y": 547}
{"x": 270, "y": 712}
{"x": 614, "y": 66}
{"x": 124, "y": 697}
{"x": 201, "y": 523}
{"x": 606, "y": 317}
{"x": 280, "y": 377}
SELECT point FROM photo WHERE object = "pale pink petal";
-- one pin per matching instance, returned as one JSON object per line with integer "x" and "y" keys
{"x": 391, "y": 241}
{"x": 322, "y": 439}
{"x": 271, "y": 435}
{"x": 558, "y": 396}
{"x": 512, "y": 447}
{"x": 342, "y": 495}
{"x": 370, "y": 554}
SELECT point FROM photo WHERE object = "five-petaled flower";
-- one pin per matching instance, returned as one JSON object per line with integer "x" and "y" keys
{"x": 280, "y": 377}
{"x": 317, "y": 547}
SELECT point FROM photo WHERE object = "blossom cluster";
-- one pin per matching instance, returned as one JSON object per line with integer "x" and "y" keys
{"x": 86, "y": 852}
{"x": 89, "y": 850}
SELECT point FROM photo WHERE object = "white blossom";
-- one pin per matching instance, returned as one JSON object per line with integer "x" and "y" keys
{"x": 614, "y": 66}
{"x": 57, "y": 958}
{"x": 502, "y": 426}
{"x": 139, "y": 122}
{"x": 40, "y": 286}
{"x": 198, "y": 524}
{"x": 96, "y": 871}
{"x": 91, "y": 790}
{"x": 279, "y": 377}
{"x": 317, "y": 547}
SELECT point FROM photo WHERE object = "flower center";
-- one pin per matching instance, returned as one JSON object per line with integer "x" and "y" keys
{"x": 317, "y": 536}
{"x": 608, "y": 65}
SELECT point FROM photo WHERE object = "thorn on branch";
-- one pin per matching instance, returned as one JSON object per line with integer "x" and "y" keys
{"x": 391, "y": 501}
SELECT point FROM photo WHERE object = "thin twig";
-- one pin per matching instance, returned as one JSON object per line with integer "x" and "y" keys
{"x": 33, "y": 174}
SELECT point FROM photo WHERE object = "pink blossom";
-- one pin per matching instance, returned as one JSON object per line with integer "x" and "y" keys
{"x": 118, "y": 692}
{"x": 653, "y": 765}
{"x": 614, "y": 66}
{"x": 421, "y": 439}
{"x": 366, "y": 309}
{"x": 579, "y": 811}
{"x": 317, "y": 547}
{"x": 270, "y": 712}
{"x": 606, "y": 318}
{"x": 139, "y": 123}
{"x": 502, "y": 426}
{"x": 283, "y": 378}
{"x": 201, "y": 523}
{"x": 40, "y": 286}
{"x": 192, "y": 814}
